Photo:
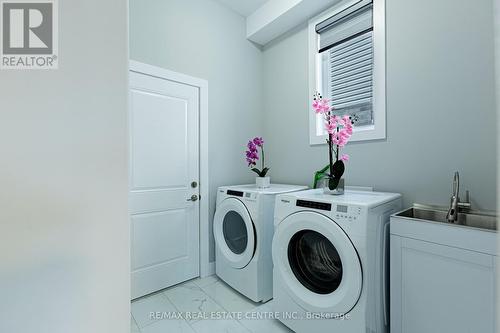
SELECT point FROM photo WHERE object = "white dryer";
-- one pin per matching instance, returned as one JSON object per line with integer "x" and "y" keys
{"x": 330, "y": 260}
{"x": 243, "y": 231}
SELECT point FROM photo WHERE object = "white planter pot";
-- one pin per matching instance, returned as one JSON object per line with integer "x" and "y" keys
{"x": 263, "y": 182}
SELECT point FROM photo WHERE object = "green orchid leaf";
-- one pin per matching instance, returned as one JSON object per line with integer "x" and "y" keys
{"x": 257, "y": 171}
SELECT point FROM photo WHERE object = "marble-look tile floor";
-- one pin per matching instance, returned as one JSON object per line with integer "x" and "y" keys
{"x": 199, "y": 306}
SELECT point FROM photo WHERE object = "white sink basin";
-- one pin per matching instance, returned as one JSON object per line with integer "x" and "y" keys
{"x": 473, "y": 219}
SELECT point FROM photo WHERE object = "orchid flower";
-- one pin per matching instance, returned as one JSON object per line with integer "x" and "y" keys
{"x": 259, "y": 142}
{"x": 252, "y": 155}
{"x": 340, "y": 130}
{"x": 320, "y": 104}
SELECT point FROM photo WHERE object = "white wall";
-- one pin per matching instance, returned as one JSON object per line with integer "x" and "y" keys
{"x": 64, "y": 232}
{"x": 497, "y": 89}
{"x": 205, "y": 39}
{"x": 440, "y": 106}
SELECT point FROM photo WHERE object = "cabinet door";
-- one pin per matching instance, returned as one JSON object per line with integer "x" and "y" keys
{"x": 437, "y": 288}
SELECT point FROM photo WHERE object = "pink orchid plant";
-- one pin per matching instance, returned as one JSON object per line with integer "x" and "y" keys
{"x": 339, "y": 131}
{"x": 252, "y": 156}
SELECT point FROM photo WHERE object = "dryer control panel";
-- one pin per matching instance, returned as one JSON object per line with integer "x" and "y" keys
{"x": 240, "y": 194}
{"x": 235, "y": 193}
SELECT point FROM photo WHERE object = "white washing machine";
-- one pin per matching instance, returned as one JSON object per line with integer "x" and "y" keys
{"x": 330, "y": 257}
{"x": 243, "y": 231}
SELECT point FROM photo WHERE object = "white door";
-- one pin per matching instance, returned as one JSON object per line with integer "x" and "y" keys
{"x": 164, "y": 177}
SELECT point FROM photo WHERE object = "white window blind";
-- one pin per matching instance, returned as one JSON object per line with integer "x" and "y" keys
{"x": 346, "y": 43}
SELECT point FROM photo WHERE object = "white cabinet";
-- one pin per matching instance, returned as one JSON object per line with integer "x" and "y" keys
{"x": 439, "y": 288}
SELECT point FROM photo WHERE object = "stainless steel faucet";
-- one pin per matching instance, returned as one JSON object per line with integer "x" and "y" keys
{"x": 455, "y": 204}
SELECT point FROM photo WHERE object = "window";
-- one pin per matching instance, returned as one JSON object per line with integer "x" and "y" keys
{"x": 347, "y": 65}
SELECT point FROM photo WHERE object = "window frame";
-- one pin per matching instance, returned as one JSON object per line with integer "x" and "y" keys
{"x": 377, "y": 131}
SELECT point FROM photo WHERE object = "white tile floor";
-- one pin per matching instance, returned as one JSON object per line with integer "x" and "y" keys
{"x": 201, "y": 297}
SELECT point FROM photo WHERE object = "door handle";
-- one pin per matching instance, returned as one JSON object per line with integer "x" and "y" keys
{"x": 193, "y": 198}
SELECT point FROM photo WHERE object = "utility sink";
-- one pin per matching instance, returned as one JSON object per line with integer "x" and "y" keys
{"x": 472, "y": 219}
{"x": 441, "y": 271}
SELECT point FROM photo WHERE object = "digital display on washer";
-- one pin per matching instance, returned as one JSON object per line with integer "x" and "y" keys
{"x": 235, "y": 193}
{"x": 314, "y": 205}
{"x": 341, "y": 209}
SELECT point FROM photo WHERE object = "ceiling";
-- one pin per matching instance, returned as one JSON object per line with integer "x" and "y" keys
{"x": 243, "y": 7}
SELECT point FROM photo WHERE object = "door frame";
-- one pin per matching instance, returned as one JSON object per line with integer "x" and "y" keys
{"x": 206, "y": 268}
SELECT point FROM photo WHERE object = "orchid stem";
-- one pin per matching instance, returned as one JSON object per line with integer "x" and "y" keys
{"x": 262, "y": 150}
{"x": 331, "y": 152}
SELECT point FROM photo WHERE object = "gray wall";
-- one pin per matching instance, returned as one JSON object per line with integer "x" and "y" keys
{"x": 440, "y": 106}
{"x": 204, "y": 39}
{"x": 440, "y": 103}
{"x": 497, "y": 88}
{"x": 64, "y": 231}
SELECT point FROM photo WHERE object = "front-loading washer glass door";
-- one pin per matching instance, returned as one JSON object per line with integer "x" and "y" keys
{"x": 315, "y": 262}
{"x": 234, "y": 232}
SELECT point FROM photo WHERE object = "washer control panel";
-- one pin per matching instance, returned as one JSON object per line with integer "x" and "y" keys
{"x": 348, "y": 213}
{"x": 314, "y": 205}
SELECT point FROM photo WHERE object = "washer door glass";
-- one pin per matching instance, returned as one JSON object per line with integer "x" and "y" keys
{"x": 235, "y": 232}
{"x": 315, "y": 262}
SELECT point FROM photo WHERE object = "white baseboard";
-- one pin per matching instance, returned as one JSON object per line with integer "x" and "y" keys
{"x": 210, "y": 270}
